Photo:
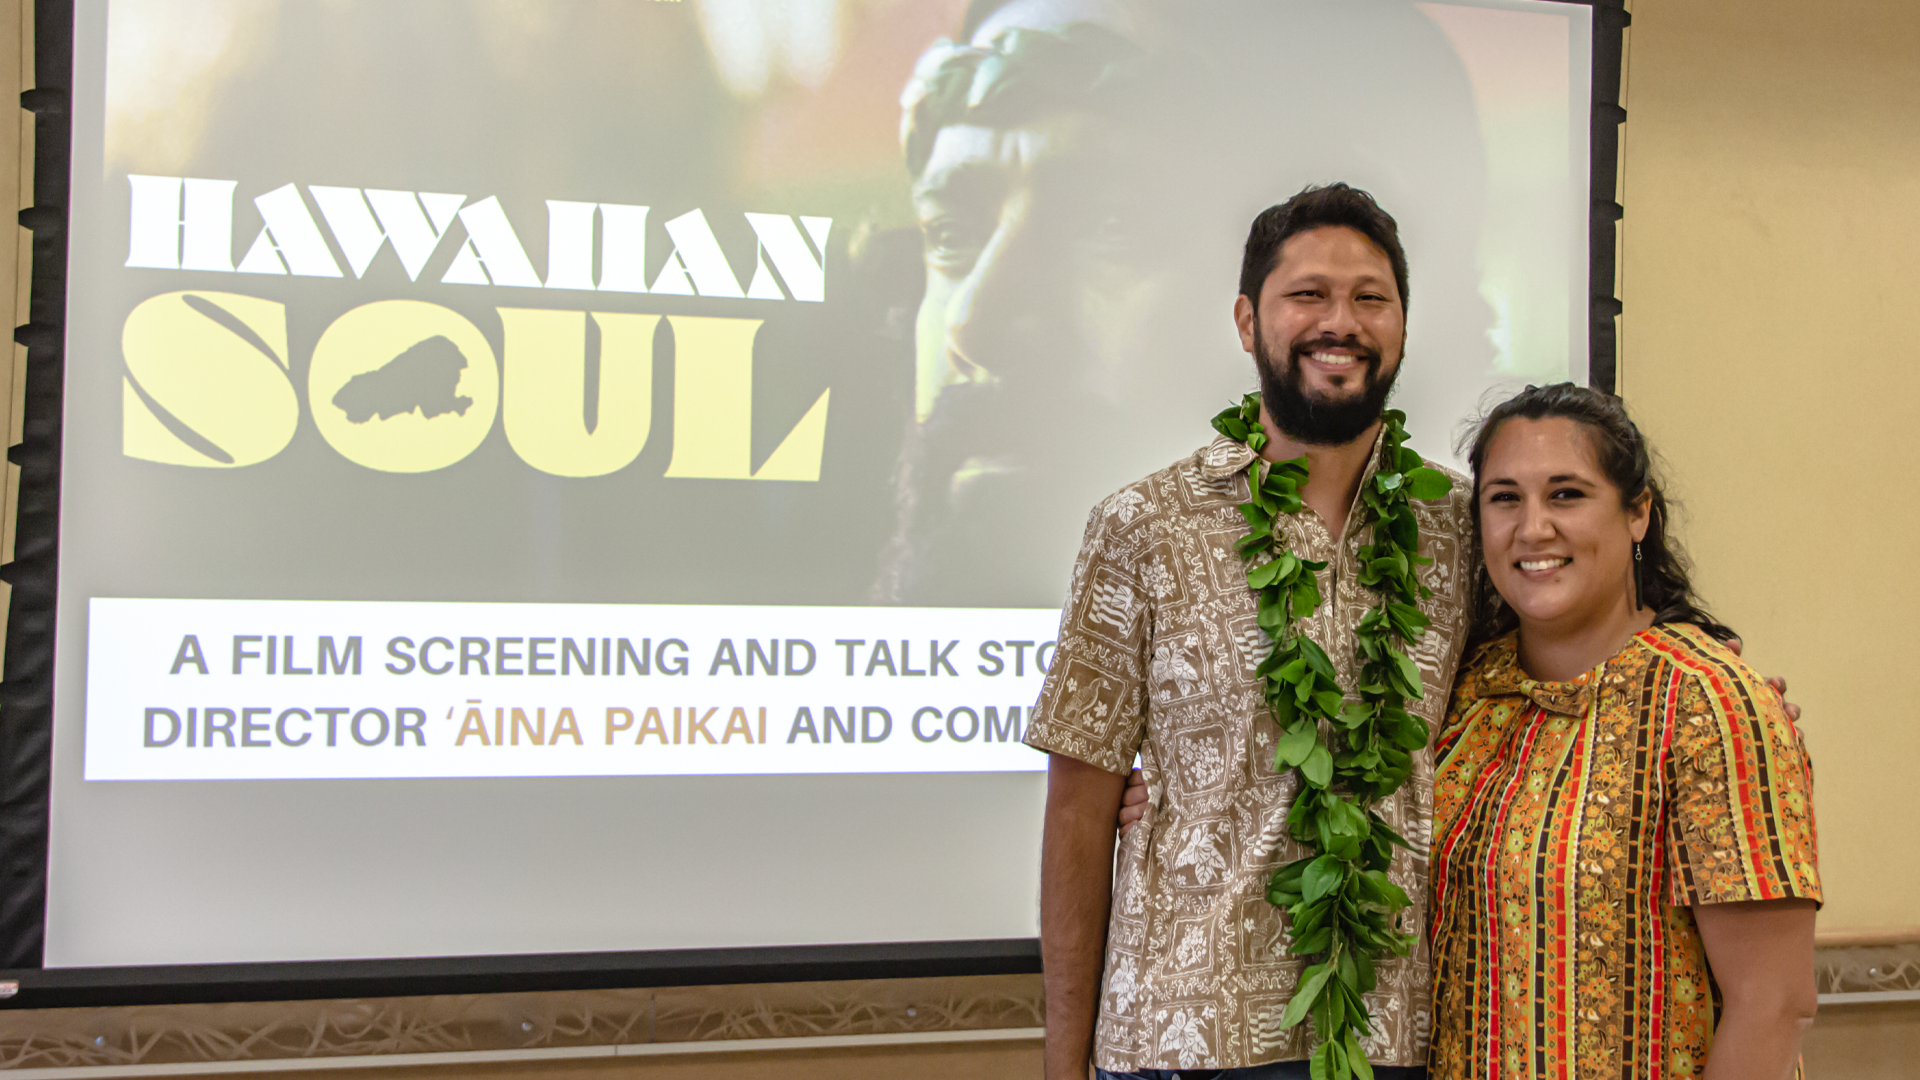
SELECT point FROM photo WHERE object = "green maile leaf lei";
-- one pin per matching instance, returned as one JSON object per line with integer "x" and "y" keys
{"x": 1350, "y": 754}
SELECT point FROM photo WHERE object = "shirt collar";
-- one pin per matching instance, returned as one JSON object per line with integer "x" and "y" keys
{"x": 1500, "y": 675}
{"x": 1224, "y": 458}
{"x": 1227, "y": 457}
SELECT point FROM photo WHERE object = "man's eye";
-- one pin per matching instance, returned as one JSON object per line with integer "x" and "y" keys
{"x": 954, "y": 243}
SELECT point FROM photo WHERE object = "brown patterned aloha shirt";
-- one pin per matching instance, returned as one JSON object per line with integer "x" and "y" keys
{"x": 1157, "y": 649}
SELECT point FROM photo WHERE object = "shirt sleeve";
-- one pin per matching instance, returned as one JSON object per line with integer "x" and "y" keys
{"x": 1740, "y": 793}
{"x": 1093, "y": 705}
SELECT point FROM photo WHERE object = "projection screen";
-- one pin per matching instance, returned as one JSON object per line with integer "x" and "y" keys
{"x": 594, "y": 477}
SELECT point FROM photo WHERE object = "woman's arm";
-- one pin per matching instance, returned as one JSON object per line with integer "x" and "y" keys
{"x": 1761, "y": 953}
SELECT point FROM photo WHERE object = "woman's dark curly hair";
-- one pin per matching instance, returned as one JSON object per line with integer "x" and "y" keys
{"x": 1626, "y": 460}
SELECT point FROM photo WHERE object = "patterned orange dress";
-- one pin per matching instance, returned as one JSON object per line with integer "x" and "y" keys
{"x": 1574, "y": 825}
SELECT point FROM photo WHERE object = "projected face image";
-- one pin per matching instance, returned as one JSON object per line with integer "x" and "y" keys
{"x": 1051, "y": 244}
{"x": 1083, "y": 174}
{"x": 1037, "y": 280}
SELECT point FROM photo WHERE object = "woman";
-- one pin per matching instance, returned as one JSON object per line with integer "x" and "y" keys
{"x": 1623, "y": 870}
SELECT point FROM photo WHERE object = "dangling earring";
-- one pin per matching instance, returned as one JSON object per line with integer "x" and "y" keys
{"x": 1637, "y": 603}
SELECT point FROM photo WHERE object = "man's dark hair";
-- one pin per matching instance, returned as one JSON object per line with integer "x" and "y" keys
{"x": 1314, "y": 208}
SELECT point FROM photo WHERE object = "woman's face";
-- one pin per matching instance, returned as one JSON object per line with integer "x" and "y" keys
{"x": 1558, "y": 544}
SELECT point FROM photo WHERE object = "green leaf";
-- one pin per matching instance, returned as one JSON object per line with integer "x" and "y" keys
{"x": 1410, "y": 734}
{"x": 1318, "y": 767}
{"x": 1316, "y": 658}
{"x": 1353, "y": 714}
{"x": 1322, "y": 876}
{"x": 1380, "y": 826}
{"x": 1263, "y": 575}
{"x": 1294, "y": 747}
{"x": 1363, "y": 969}
{"x": 1357, "y": 1058}
{"x": 1348, "y": 972}
{"x": 1305, "y": 597}
{"x": 1427, "y": 484}
{"x": 1409, "y": 670}
{"x": 1311, "y": 980}
{"x": 1288, "y": 876}
{"x": 1389, "y": 893}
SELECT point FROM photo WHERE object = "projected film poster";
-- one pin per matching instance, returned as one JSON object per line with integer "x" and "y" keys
{"x": 714, "y": 388}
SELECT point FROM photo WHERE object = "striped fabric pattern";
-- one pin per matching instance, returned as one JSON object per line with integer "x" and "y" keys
{"x": 1575, "y": 823}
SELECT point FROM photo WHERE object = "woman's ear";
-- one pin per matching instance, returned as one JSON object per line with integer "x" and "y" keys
{"x": 1639, "y": 516}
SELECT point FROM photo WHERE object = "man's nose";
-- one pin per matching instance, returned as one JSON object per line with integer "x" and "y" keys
{"x": 995, "y": 307}
{"x": 1341, "y": 320}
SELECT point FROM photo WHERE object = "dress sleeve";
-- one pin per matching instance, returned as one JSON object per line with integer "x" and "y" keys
{"x": 1093, "y": 706}
{"x": 1740, "y": 793}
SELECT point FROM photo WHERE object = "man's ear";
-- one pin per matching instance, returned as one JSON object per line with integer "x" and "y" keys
{"x": 1247, "y": 319}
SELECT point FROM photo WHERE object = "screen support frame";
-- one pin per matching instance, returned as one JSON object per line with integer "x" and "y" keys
{"x": 26, "y": 694}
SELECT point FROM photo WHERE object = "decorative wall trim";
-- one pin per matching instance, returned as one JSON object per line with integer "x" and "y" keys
{"x": 338, "y": 1033}
{"x": 490, "y": 1057}
{"x": 1868, "y": 966}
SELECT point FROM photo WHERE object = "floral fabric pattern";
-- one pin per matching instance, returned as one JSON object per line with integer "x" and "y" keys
{"x": 1575, "y": 824}
{"x": 1157, "y": 649}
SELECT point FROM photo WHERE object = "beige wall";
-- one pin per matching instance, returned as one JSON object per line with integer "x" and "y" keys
{"x": 1771, "y": 252}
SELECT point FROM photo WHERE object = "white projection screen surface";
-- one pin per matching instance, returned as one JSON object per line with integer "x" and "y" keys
{"x": 581, "y": 477}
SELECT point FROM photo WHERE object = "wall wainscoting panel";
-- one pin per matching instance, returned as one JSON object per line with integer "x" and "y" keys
{"x": 463, "y": 1024}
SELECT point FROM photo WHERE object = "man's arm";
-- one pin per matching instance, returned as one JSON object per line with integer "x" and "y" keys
{"x": 1076, "y": 890}
{"x": 1761, "y": 953}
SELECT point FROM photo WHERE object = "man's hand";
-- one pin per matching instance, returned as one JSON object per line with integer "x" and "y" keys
{"x": 1779, "y": 687}
{"x": 1076, "y": 891}
{"x": 1133, "y": 801}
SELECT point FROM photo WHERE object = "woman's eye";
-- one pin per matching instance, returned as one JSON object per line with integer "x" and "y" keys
{"x": 1565, "y": 494}
{"x": 1503, "y": 496}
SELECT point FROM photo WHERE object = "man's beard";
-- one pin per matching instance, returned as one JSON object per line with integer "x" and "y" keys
{"x": 1316, "y": 420}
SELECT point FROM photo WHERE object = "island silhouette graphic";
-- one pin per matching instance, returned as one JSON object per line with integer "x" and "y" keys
{"x": 423, "y": 378}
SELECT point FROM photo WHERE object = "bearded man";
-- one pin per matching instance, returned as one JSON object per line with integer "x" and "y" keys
{"x": 1197, "y": 972}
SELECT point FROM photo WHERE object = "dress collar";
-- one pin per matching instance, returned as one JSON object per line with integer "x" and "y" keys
{"x": 1500, "y": 675}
